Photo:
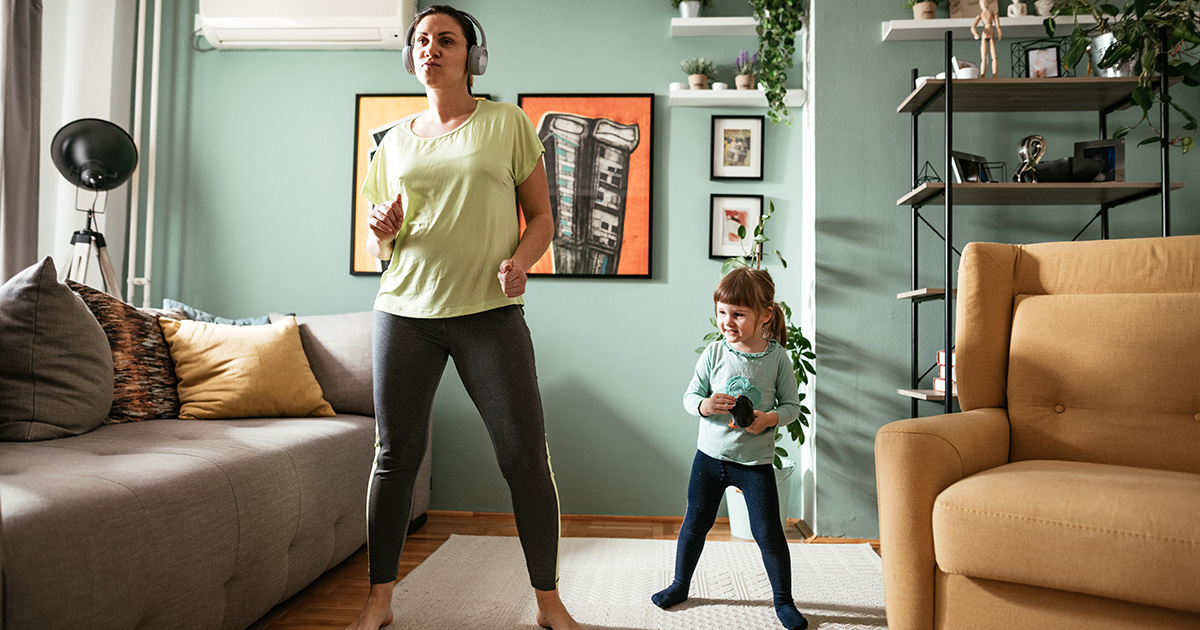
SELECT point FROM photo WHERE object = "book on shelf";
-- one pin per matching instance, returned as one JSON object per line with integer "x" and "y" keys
{"x": 939, "y": 386}
{"x": 942, "y": 372}
{"x": 941, "y": 358}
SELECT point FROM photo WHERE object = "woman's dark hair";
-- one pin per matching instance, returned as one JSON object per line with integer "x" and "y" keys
{"x": 464, "y": 23}
{"x": 753, "y": 288}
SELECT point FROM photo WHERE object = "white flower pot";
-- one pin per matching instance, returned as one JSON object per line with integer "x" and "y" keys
{"x": 739, "y": 516}
{"x": 689, "y": 8}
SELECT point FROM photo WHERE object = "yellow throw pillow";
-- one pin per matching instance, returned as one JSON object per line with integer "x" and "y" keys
{"x": 242, "y": 371}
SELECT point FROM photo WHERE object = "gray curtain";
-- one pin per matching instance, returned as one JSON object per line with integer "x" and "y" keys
{"x": 19, "y": 114}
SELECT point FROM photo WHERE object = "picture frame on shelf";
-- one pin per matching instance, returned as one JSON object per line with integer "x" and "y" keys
{"x": 1039, "y": 58}
{"x": 736, "y": 148}
{"x": 598, "y": 165}
{"x": 970, "y": 169}
{"x": 1111, "y": 152}
{"x": 729, "y": 214}
{"x": 970, "y": 8}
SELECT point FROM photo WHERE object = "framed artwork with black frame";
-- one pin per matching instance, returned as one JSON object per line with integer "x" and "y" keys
{"x": 1039, "y": 58}
{"x": 374, "y": 116}
{"x": 732, "y": 219}
{"x": 598, "y": 167}
{"x": 970, "y": 169}
{"x": 1111, "y": 152}
{"x": 736, "y": 147}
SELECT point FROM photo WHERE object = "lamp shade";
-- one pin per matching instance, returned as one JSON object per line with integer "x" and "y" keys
{"x": 93, "y": 154}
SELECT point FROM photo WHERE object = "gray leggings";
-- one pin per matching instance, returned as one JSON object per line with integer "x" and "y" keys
{"x": 493, "y": 353}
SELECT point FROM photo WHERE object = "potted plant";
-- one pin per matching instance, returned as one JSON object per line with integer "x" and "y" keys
{"x": 1163, "y": 35}
{"x": 747, "y": 66}
{"x": 800, "y": 349}
{"x": 778, "y": 22}
{"x": 690, "y": 8}
{"x": 924, "y": 9}
{"x": 699, "y": 71}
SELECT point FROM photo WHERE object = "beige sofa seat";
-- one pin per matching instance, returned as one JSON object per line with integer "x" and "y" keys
{"x": 1065, "y": 494}
{"x": 1066, "y": 525}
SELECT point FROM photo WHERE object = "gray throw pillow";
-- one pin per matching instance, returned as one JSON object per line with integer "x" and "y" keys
{"x": 338, "y": 348}
{"x": 56, "y": 375}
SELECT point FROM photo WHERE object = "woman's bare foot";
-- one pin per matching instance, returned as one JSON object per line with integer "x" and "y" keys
{"x": 377, "y": 612}
{"x": 552, "y": 613}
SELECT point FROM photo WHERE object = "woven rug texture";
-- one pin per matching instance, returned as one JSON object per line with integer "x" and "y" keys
{"x": 480, "y": 582}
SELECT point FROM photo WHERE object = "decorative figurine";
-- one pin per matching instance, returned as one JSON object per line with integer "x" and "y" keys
{"x": 988, "y": 20}
{"x": 1031, "y": 151}
{"x": 1017, "y": 8}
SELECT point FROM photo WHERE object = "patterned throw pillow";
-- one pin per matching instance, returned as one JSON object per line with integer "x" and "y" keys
{"x": 144, "y": 375}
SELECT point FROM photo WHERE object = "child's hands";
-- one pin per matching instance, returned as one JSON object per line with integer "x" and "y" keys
{"x": 718, "y": 403}
{"x": 763, "y": 421}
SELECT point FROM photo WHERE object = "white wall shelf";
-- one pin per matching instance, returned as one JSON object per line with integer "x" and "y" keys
{"x": 728, "y": 98}
{"x": 1029, "y": 26}
{"x": 714, "y": 27}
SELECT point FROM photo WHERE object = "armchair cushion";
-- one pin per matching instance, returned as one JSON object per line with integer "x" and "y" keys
{"x": 1112, "y": 531}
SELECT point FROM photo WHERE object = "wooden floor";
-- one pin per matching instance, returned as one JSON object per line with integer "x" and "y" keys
{"x": 332, "y": 602}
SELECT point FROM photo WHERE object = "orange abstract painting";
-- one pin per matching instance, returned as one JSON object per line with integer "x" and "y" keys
{"x": 598, "y": 167}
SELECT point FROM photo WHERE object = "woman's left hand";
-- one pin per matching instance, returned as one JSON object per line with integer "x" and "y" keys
{"x": 512, "y": 278}
{"x": 762, "y": 421}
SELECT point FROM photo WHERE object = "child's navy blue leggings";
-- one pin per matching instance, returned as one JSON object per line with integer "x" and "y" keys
{"x": 709, "y": 479}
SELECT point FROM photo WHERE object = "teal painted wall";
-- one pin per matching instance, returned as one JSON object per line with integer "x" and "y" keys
{"x": 862, "y": 149}
{"x": 254, "y": 192}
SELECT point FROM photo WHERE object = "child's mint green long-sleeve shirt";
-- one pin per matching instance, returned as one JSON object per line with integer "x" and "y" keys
{"x": 766, "y": 378}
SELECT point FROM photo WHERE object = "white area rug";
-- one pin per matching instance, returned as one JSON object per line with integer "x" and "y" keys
{"x": 480, "y": 582}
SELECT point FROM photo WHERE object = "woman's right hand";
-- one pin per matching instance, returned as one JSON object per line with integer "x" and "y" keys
{"x": 385, "y": 219}
{"x": 719, "y": 403}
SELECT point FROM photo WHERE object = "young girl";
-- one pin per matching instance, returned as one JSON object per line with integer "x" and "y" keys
{"x": 749, "y": 361}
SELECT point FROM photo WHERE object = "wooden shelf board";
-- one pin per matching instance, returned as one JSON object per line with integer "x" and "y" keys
{"x": 1029, "y": 26}
{"x": 716, "y": 27}
{"x": 924, "y": 394}
{"x": 728, "y": 98}
{"x": 926, "y": 293}
{"x": 1060, "y": 94}
{"x": 1045, "y": 194}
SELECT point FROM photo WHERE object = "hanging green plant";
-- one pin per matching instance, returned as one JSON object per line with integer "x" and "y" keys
{"x": 1142, "y": 31}
{"x": 798, "y": 347}
{"x": 778, "y": 22}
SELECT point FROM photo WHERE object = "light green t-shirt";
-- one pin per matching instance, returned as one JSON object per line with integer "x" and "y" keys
{"x": 766, "y": 378}
{"x": 460, "y": 210}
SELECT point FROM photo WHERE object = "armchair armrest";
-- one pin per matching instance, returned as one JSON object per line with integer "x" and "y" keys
{"x": 915, "y": 460}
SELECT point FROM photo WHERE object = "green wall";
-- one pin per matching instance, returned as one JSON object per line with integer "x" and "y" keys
{"x": 256, "y": 185}
{"x": 254, "y": 189}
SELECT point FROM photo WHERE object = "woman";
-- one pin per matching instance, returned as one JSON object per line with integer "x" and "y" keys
{"x": 442, "y": 184}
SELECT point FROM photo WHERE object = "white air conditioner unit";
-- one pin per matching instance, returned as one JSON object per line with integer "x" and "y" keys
{"x": 305, "y": 24}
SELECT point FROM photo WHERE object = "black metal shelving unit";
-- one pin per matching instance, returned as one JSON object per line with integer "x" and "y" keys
{"x": 1103, "y": 95}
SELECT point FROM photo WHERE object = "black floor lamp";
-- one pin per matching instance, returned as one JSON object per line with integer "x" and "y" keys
{"x": 96, "y": 155}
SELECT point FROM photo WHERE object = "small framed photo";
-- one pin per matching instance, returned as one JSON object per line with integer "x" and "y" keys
{"x": 737, "y": 147}
{"x": 970, "y": 169}
{"x": 1042, "y": 63}
{"x": 731, "y": 224}
{"x": 1111, "y": 152}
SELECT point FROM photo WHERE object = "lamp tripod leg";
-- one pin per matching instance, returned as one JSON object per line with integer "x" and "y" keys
{"x": 88, "y": 243}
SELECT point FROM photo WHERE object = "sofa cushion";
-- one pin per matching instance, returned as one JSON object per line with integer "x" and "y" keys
{"x": 143, "y": 373}
{"x": 56, "y": 378}
{"x": 339, "y": 350}
{"x": 191, "y": 312}
{"x": 1125, "y": 533}
{"x": 242, "y": 371}
{"x": 1086, "y": 368}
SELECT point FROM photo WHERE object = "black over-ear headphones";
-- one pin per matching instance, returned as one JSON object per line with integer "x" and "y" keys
{"x": 477, "y": 56}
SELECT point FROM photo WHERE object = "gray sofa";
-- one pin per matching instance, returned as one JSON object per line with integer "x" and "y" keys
{"x": 192, "y": 523}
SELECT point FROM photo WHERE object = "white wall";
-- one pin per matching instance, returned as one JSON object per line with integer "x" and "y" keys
{"x": 87, "y": 72}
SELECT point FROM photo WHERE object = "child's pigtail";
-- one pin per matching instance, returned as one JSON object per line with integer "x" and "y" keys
{"x": 776, "y": 327}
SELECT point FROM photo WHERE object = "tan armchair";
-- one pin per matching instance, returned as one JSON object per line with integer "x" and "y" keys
{"x": 1067, "y": 493}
